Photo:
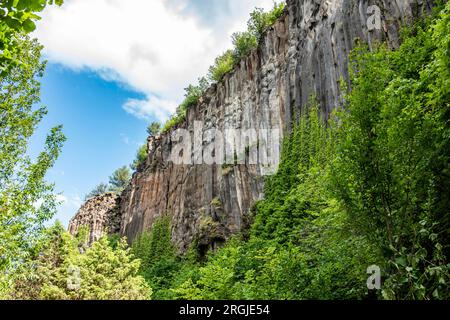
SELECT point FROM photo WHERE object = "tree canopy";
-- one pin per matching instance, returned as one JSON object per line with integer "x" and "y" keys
{"x": 26, "y": 199}
{"x": 120, "y": 178}
{"x": 154, "y": 129}
{"x": 65, "y": 268}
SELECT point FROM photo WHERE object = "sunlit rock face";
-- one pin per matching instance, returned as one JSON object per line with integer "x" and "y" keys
{"x": 100, "y": 214}
{"x": 304, "y": 54}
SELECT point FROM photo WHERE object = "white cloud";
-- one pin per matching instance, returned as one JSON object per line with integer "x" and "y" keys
{"x": 152, "y": 107}
{"x": 156, "y": 47}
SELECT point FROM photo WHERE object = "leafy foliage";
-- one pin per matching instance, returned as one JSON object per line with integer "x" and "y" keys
{"x": 222, "y": 65}
{"x": 193, "y": 93}
{"x": 260, "y": 21}
{"x": 17, "y": 18}
{"x": 369, "y": 187}
{"x": 154, "y": 129}
{"x": 393, "y": 162}
{"x": 141, "y": 157}
{"x": 120, "y": 179}
{"x": 26, "y": 199}
{"x": 65, "y": 268}
{"x": 244, "y": 43}
{"x": 158, "y": 255}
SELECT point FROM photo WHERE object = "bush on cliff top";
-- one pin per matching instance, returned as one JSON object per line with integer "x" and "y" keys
{"x": 243, "y": 43}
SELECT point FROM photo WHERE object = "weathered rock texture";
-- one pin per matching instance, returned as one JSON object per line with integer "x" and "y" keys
{"x": 304, "y": 54}
{"x": 101, "y": 214}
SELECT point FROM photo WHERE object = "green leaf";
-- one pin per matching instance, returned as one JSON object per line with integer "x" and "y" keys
{"x": 28, "y": 25}
{"x": 13, "y": 23}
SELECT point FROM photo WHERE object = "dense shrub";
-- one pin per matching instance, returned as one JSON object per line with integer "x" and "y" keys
{"x": 222, "y": 65}
{"x": 393, "y": 161}
{"x": 244, "y": 43}
{"x": 158, "y": 256}
{"x": 65, "y": 268}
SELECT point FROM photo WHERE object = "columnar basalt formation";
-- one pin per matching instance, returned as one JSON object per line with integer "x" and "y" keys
{"x": 100, "y": 214}
{"x": 302, "y": 55}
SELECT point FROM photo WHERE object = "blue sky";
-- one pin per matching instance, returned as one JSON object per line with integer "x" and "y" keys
{"x": 101, "y": 135}
{"x": 115, "y": 66}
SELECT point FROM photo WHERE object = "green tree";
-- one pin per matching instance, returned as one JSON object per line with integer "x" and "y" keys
{"x": 99, "y": 190}
{"x": 394, "y": 157}
{"x": 154, "y": 129}
{"x": 26, "y": 199}
{"x": 261, "y": 20}
{"x": 194, "y": 93}
{"x": 159, "y": 260}
{"x": 17, "y": 18}
{"x": 120, "y": 179}
{"x": 66, "y": 268}
{"x": 141, "y": 157}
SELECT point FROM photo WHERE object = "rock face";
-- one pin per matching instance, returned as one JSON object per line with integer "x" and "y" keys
{"x": 304, "y": 54}
{"x": 100, "y": 214}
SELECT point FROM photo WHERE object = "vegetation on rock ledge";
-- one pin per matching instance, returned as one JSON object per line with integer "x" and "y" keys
{"x": 244, "y": 43}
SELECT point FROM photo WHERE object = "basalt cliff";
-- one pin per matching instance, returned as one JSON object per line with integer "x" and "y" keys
{"x": 304, "y": 54}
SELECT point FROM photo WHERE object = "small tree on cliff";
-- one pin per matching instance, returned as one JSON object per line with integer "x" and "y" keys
{"x": 102, "y": 188}
{"x": 141, "y": 157}
{"x": 154, "y": 128}
{"x": 119, "y": 179}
